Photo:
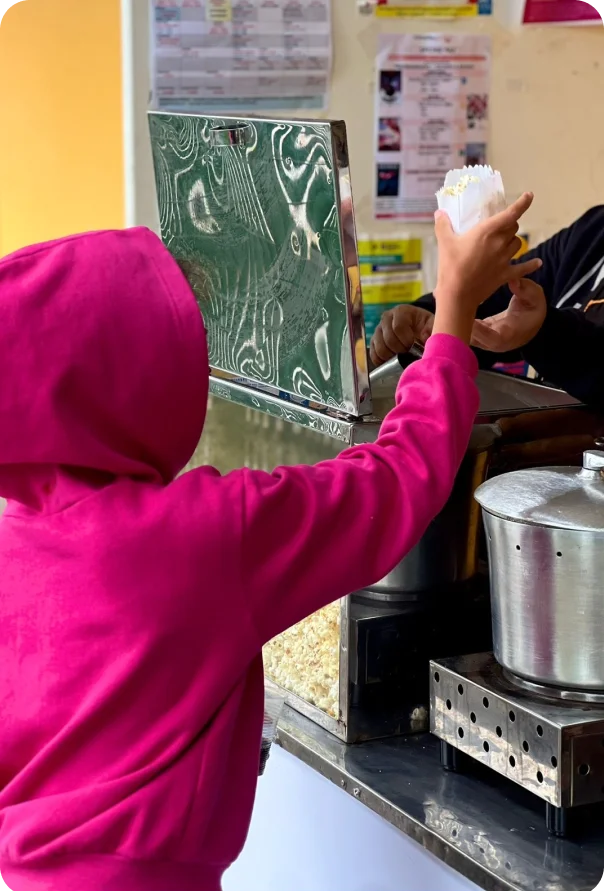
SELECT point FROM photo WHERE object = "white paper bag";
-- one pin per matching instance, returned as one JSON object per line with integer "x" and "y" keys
{"x": 471, "y": 195}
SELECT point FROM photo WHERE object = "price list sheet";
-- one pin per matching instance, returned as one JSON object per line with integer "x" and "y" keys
{"x": 225, "y": 54}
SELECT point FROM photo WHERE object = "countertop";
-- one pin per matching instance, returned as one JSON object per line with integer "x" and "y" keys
{"x": 483, "y": 826}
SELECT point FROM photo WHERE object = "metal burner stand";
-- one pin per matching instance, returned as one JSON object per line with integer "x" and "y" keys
{"x": 551, "y": 747}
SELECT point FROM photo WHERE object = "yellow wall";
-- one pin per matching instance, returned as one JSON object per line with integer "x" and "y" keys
{"x": 60, "y": 120}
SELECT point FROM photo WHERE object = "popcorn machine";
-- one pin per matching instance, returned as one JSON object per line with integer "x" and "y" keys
{"x": 262, "y": 212}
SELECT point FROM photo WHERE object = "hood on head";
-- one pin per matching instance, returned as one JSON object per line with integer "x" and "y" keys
{"x": 104, "y": 363}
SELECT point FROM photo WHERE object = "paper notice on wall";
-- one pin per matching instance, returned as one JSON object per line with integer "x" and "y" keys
{"x": 391, "y": 274}
{"x": 240, "y": 53}
{"x": 449, "y": 9}
{"x": 560, "y": 12}
{"x": 432, "y": 111}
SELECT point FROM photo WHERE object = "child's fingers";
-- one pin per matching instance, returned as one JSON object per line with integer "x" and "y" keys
{"x": 443, "y": 226}
{"x": 513, "y": 213}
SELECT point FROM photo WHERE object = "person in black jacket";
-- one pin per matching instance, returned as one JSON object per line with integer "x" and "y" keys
{"x": 558, "y": 328}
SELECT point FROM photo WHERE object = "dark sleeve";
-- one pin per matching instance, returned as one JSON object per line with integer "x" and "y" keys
{"x": 550, "y": 252}
{"x": 568, "y": 352}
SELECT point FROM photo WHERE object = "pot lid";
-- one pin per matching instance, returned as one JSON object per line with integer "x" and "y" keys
{"x": 555, "y": 497}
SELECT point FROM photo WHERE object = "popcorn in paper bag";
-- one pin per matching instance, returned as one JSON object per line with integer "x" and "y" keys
{"x": 471, "y": 195}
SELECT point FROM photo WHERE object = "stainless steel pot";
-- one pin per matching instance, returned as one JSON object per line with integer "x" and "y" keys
{"x": 448, "y": 551}
{"x": 447, "y": 554}
{"x": 545, "y": 538}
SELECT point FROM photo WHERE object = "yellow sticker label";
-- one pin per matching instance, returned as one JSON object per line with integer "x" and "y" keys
{"x": 219, "y": 11}
{"x": 449, "y": 12}
{"x": 391, "y": 271}
{"x": 525, "y": 244}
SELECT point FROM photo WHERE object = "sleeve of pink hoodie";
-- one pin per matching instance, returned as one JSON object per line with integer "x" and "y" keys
{"x": 313, "y": 534}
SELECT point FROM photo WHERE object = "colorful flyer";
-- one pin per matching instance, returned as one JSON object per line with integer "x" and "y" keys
{"x": 432, "y": 115}
{"x": 391, "y": 274}
{"x": 448, "y": 9}
{"x": 560, "y": 12}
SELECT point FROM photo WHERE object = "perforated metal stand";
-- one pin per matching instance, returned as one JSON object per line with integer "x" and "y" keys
{"x": 553, "y": 748}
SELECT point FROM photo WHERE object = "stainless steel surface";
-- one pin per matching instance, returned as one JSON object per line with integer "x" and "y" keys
{"x": 548, "y": 603}
{"x": 262, "y": 208}
{"x": 570, "y": 498}
{"x": 393, "y": 368}
{"x": 549, "y": 692}
{"x": 448, "y": 551}
{"x": 490, "y": 831}
{"x": 500, "y": 396}
{"x": 545, "y": 541}
{"x": 593, "y": 461}
{"x": 503, "y": 395}
{"x": 335, "y": 428}
{"x": 390, "y": 370}
{"x": 553, "y": 749}
{"x": 232, "y": 135}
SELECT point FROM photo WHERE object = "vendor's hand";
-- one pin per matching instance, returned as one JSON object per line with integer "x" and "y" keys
{"x": 473, "y": 265}
{"x": 398, "y": 330}
{"x": 515, "y": 327}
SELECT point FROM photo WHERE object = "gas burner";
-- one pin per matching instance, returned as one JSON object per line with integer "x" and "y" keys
{"x": 551, "y": 746}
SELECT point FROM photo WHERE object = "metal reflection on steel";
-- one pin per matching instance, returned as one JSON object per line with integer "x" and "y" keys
{"x": 231, "y": 135}
{"x": 262, "y": 209}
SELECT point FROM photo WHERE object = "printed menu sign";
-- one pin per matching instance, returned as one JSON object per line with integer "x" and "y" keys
{"x": 432, "y": 113}
{"x": 266, "y": 53}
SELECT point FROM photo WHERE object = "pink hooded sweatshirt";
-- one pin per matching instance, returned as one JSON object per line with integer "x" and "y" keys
{"x": 134, "y": 605}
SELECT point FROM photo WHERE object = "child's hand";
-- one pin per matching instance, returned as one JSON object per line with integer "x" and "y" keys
{"x": 515, "y": 327}
{"x": 472, "y": 266}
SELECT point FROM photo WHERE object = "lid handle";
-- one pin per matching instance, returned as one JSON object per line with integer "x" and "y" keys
{"x": 224, "y": 135}
{"x": 593, "y": 460}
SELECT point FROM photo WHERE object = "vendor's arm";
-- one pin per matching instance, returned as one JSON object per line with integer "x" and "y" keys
{"x": 568, "y": 352}
{"x": 564, "y": 347}
{"x": 562, "y": 255}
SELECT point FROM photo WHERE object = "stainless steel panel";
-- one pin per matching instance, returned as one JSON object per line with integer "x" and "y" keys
{"x": 261, "y": 211}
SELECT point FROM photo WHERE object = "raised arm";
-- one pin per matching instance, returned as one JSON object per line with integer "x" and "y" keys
{"x": 406, "y": 324}
{"x": 313, "y": 534}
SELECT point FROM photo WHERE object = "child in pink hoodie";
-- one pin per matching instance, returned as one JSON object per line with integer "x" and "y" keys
{"x": 133, "y": 604}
